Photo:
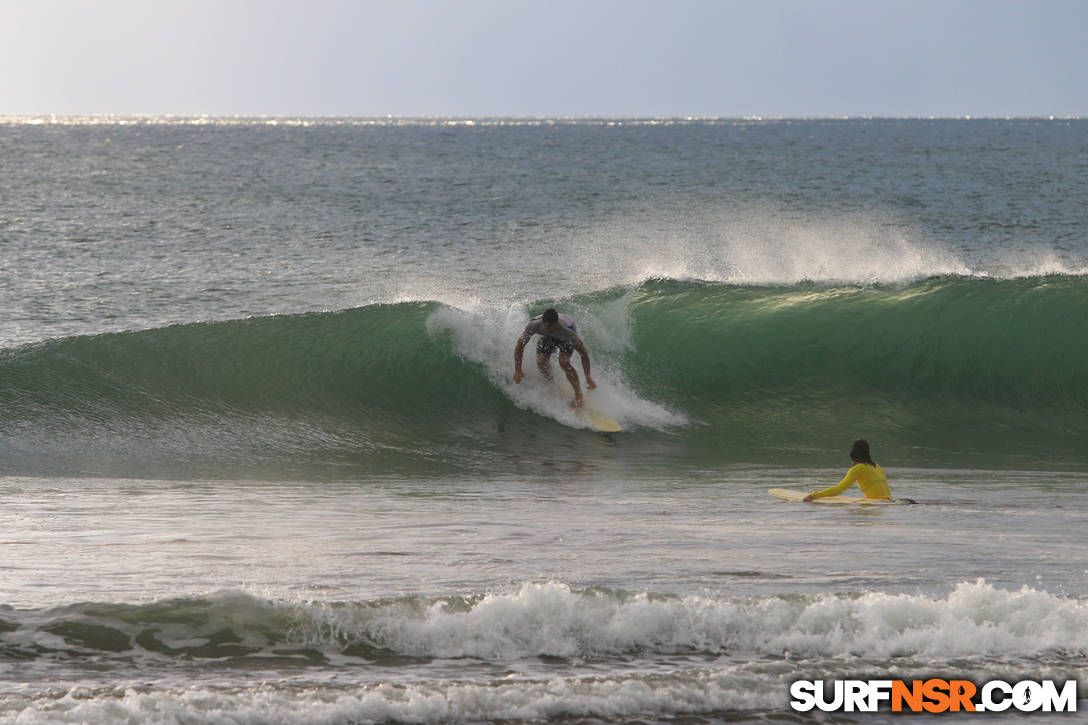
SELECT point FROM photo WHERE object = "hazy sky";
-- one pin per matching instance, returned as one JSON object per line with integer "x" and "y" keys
{"x": 545, "y": 58}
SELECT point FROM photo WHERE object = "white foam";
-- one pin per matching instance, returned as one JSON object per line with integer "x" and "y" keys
{"x": 551, "y": 619}
{"x": 417, "y": 702}
{"x": 487, "y": 336}
{"x": 976, "y": 630}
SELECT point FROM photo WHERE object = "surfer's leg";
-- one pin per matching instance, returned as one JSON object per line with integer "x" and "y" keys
{"x": 572, "y": 376}
{"x": 544, "y": 363}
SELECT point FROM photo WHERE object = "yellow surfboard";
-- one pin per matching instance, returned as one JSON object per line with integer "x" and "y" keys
{"x": 592, "y": 416}
{"x": 597, "y": 420}
{"x": 790, "y": 495}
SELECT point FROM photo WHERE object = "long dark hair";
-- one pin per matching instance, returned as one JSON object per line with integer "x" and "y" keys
{"x": 859, "y": 452}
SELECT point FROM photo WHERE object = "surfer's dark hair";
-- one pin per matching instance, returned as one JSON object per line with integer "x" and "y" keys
{"x": 550, "y": 315}
{"x": 859, "y": 452}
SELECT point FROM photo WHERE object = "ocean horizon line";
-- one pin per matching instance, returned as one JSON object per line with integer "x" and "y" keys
{"x": 196, "y": 119}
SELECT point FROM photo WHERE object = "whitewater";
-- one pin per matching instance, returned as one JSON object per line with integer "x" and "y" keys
{"x": 263, "y": 460}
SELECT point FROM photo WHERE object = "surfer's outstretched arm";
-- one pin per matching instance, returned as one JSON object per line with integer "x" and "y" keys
{"x": 519, "y": 349}
{"x": 870, "y": 478}
{"x": 581, "y": 348}
{"x": 839, "y": 487}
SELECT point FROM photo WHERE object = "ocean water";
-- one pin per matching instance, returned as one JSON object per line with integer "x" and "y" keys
{"x": 262, "y": 459}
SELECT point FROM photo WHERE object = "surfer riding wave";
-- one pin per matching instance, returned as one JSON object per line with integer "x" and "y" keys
{"x": 557, "y": 332}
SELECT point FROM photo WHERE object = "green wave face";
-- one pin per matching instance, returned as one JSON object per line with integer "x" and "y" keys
{"x": 947, "y": 371}
{"x": 938, "y": 372}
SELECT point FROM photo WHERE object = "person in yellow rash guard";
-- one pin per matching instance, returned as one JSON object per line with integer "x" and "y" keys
{"x": 869, "y": 476}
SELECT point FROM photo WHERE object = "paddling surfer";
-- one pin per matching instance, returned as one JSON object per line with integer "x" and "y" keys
{"x": 557, "y": 332}
{"x": 870, "y": 477}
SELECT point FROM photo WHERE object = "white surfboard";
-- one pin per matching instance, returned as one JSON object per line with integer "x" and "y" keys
{"x": 787, "y": 494}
